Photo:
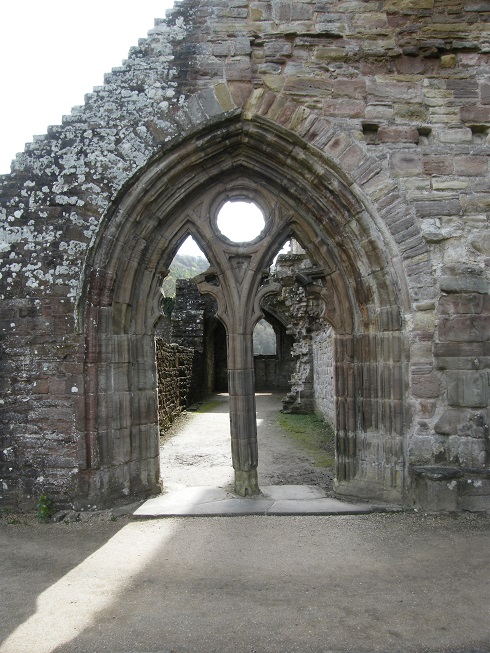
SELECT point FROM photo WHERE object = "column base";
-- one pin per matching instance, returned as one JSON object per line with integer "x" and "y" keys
{"x": 246, "y": 483}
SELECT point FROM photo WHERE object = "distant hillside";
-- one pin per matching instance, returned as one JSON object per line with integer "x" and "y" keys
{"x": 183, "y": 267}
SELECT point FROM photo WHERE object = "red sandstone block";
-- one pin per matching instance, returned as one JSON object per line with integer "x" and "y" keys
{"x": 398, "y": 135}
{"x": 344, "y": 108}
{"x": 349, "y": 88}
{"x": 438, "y": 165}
{"x": 337, "y": 145}
{"x": 58, "y": 386}
{"x": 485, "y": 93}
{"x": 456, "y": 349}
{"x": 463, "y": 88}
{"x": 352, "y": 157}
{"x": 470, "y": 166}
{"x": 461, "y": 303}
{"x": 467, "y": 328}
{"x": 475, "y": 114}
{"x": 40, "y": 386}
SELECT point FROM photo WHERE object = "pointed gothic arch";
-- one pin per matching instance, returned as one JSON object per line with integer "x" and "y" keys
{"x": 302, "y": 193}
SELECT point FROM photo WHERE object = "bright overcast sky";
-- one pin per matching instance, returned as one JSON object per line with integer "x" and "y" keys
{"x": 53, "y": 52}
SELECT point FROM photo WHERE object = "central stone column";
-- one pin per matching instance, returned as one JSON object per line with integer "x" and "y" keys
{"x": 243, "y": 422}
{"x": 236, "y": 289}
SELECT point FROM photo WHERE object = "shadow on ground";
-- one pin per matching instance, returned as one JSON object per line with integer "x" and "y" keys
{"x": 399, "y": 582}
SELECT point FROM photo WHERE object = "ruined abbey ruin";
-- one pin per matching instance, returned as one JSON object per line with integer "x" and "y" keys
{"x": 360, "y": 129}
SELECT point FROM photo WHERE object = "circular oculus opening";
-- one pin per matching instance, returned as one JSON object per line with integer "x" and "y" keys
{"x": 240, "y": 222}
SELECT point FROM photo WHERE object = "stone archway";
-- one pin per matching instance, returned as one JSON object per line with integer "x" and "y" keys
{"x": 355, "y": 277}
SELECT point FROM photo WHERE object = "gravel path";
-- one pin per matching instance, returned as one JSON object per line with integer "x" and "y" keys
{"x": 380, "y": 583}
{"x": 359, "y": 584}
{"x": 196, "y": 451}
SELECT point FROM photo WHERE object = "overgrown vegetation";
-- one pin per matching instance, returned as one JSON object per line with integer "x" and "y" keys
{"x": 313, "y": 435}
{"x": 44, "y": 508}
{"x": 183, "y": 267}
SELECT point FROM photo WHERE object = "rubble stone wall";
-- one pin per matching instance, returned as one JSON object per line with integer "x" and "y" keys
{"x": 175, "y": 369}
{"x": 272, "y": 373}
{"x": 323, "y": 373}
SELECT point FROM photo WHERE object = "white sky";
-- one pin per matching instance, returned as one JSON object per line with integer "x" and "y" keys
{"x": 53, "y": 52}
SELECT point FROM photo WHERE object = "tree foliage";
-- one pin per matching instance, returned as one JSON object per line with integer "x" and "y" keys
{"x": 183, "y": 267}
{"x": 264, "y": 338}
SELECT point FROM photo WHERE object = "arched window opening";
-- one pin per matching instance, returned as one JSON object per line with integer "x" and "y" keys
{"x": 180, "y": 335}
{"x": 188, "y": 262}
{"x": 264, "y": 339}
{"x": 240, "y": 222}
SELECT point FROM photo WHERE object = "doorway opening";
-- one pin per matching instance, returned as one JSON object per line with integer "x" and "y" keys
{"x": 348, "y": 279}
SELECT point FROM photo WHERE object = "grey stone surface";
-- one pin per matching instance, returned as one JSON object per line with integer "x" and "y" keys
{"x": 272, "y": 584}
{"x": 274, "y": 500}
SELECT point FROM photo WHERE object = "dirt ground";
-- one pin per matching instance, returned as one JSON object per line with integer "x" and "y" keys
{"x": 378, "y": 583}
{"x": 196, "y": 451}
{"x": 384, "y": 583}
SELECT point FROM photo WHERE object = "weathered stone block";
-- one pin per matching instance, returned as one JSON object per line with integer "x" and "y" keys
{"x": 476, "y": 114}
{"x": 398, "y": 135}
{"x": 475, "y": 503}
{"x": 463, "y": 422}
{"x": 461, "y": 303}
{"x": 464, "y": 283}
{"x": 437, "y": 207}
{"x": 438, "y": 165}
{"x": 467, "y": 452}
{"x": 436, "y": 490}
{"x": 477, "y": 5}
{"x": 485, "y": 92}
{"x": 378, "y": 89}
{"x": 406, "y": 164}
{"x": 455, "y": 136}
{"x": 465, "y": 328}
{"x": 463, "y": 88}
{"x": 426, "y": 385}
{"x": 408, "y": 5}
{"x": 471, "y": 166}
{"x": 466, "y": 388}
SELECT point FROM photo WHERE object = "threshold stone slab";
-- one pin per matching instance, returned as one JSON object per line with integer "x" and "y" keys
{"x": 274, "y": 500}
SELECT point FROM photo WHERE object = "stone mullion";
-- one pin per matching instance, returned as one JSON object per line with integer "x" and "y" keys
{"x": 243, "y": 423}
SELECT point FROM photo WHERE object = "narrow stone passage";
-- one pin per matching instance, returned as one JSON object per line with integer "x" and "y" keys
{"x": 197, "y": 452}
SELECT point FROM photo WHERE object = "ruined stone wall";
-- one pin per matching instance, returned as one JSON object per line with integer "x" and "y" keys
{"x": 393, "y": 97}
{"x": 272, "y": 373}
{"x": 192, "y": 320}
{"x": 174, "y": 366}
{"x": 323, "y": 373}
{"x": 301, "y": 315}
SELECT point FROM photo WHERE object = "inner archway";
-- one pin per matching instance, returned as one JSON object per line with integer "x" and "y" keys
{"x": 349, "y": 278}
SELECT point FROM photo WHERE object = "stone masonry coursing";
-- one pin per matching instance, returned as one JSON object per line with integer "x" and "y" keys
{"x": 174, "y": 367}
{"x": 383, "y": 105}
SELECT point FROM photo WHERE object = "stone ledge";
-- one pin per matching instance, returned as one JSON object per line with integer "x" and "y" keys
{"x": 449, "y": 489}
{"x": 435, "y": 473}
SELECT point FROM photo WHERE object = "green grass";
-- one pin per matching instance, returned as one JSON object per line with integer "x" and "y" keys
{"x": 208, "y": 405}
{"x": 312, "y": 434}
